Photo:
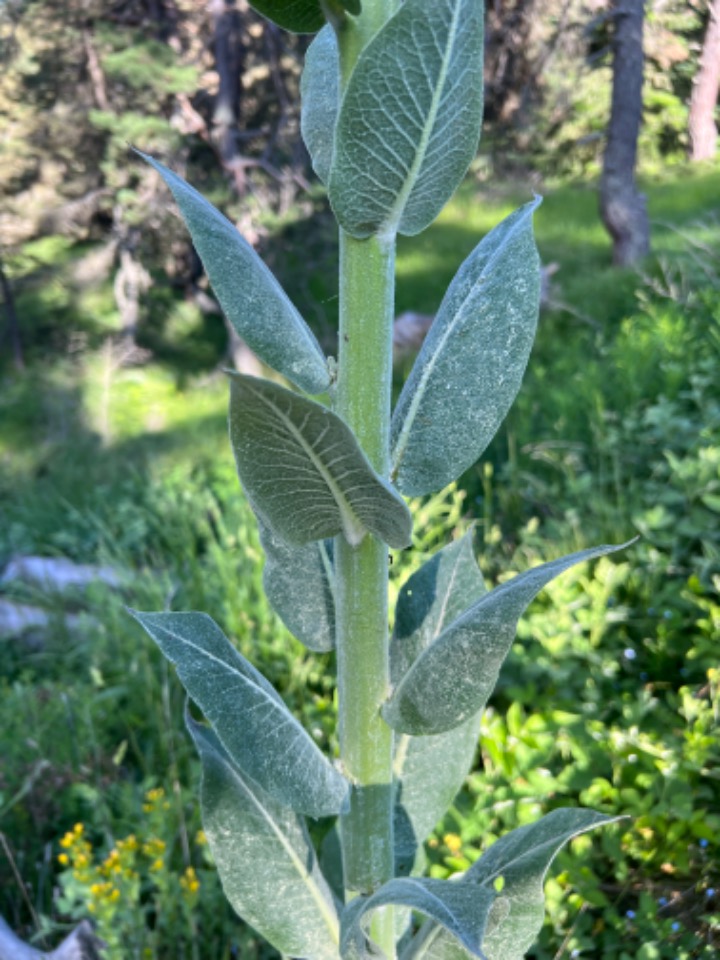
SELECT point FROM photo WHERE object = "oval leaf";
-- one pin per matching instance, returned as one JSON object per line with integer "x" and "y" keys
{"x": 471, "y": 365}
{"x": 453, "y": 679}
{"x": 522, "y": 858}
{"x": 299, "y": 583}
{"x": 410, "y": 120}
{"x": 462, "y": 909}
{"x": 320, "y": 96}
{"x": 298, "y": 16}
{"x": 304, "y": 471}
{"x": 260, "y": 847}
{"x": 251, "y": 298}
{"x": 430, "y": 770}
{"x": 255, "y": 727}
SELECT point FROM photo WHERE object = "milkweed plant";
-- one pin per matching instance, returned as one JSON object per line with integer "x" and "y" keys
{"x": 392, "y": 105}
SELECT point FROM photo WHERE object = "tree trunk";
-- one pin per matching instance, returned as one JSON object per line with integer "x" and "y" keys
{"x": 701, "y": 122}
{"x": 622, "y": 206}
{"x": 228, "y": 63}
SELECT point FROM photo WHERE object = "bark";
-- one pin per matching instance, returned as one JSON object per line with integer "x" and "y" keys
{"x": 622, "y": 206}
{"x": 229, "y": 63}
{"x": 97, "y": 77}
{"x": 701, "y": 122}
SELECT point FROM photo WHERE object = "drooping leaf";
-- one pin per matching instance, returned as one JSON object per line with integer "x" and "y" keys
{"x": 522, "y": 859}
{"x": 454, "y": 677}
{"x": 409, "y": 122}
{"x": 320, "y": 97}
{"x": 298, "y": 16}
{"x": 299, "y": 583}
{"x": 430, "y": 770}
{"x": 260, "y": 848}
{"x": 462, "y": 909}
{"x": 251, "y": 298}
{"x": 472, "y": 362}
{"x": 304, "y": 471}
{"x": 255, "y": 727}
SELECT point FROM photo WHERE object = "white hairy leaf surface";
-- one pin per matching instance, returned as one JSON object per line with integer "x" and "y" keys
{"x": 255, "y": 727}
{"x": 521, "y": 859}
{"x": 320, "y": 98}
{"x": 250, "y": 296}
{"x": 299, "y": 582}
{"x": 472, "y": 362}
{"x": 304, "y": 471}
{"x": 409, "y": 122}
{"x": 264, "y": 857}
{"x": 430, "y": 770}
{"x": 454, "y": 677}
{"x": 462, "y": 910}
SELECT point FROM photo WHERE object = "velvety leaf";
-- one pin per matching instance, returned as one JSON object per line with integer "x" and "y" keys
{"x": 251, "y": 298}
{"x": 298, "y": 16}
{"x": 262, "y": 850}
{"x": 435, "y": 595}
{"x": 304, "y": 471}
{"x": 430, "y": 770}
{"x": 462, "y": 909}
{"x": 320, "y": 97}
{"x": 255, "y": 727}
{"x": 454, "y": 677}
{"x": 299, "y": 583}
{"x": 409, "y": 122}
{"x": 521, "y": 858}
{"x": 472, "y": 362}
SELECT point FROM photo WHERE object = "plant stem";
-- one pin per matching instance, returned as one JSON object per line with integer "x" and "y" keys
{"x": 363, "y": 400}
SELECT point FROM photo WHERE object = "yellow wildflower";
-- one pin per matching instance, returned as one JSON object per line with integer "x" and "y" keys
{"x": 64, "y": 859}
{"x": 453, "y": 842}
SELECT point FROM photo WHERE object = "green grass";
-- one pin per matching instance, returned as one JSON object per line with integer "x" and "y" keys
{"x": 616, "y": 431}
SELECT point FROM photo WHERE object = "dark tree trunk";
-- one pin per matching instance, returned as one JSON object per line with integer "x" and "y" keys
{"x": 701, "y": 124}
{"x": 229, "y": 63}
{"x": 622, "y": 206}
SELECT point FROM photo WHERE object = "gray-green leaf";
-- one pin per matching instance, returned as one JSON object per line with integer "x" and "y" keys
{"x": 298, "y": 16}
{"x": 522, "y": 859}
{"x": 251, "y": 298}
{"x": 320, "y": 96}
{"x": 255, "y": 727}
{"x": 430, "y": 770}
{"x": 304, "y": 471}
{"x": 299, "y": 583}
{"x": 409, "y": 123}
{"x": 471, "y": 365}
{"x": 462, "y": 909}
{"x": 260, "y": 848}
{"x": 453, "y": 679}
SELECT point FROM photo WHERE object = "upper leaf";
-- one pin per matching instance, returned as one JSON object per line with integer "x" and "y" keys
{"x": 251, "y": 298}
{"x": 320, "y": 96}
{"x": 304, "y": 471}
{"x": 298, "y": 16}
{"x": 462, "y": 909}
{"x": 255, "y": 727}
{"x": 521, "y": 858}
{"x": 409, "y": 123}
{"x": 472, "y": 362}
{"x": 260, "y": 847}
{"x": 299, "y": 583}
{"x": 454, "y": 677}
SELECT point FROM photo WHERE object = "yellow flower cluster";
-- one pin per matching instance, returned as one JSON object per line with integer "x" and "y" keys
{"x": 190, "y": 883}
{"x": 155, "y": 800}
{"x": 77, "y": 852}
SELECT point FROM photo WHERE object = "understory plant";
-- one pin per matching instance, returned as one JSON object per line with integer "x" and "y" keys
{"x": 391, "y": 116}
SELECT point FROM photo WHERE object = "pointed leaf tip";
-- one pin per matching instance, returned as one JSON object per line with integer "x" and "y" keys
{"x": 250, "y": 296}
{"x": 304, "y": 472}
{"x": 453, "y": 678}
{"x": 255, "y": 727}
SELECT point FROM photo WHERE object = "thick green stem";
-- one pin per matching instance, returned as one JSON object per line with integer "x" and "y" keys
{"x": 363, "y": 400}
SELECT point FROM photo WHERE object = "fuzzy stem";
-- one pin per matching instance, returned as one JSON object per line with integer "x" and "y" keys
{"x": 363, "y": 400}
